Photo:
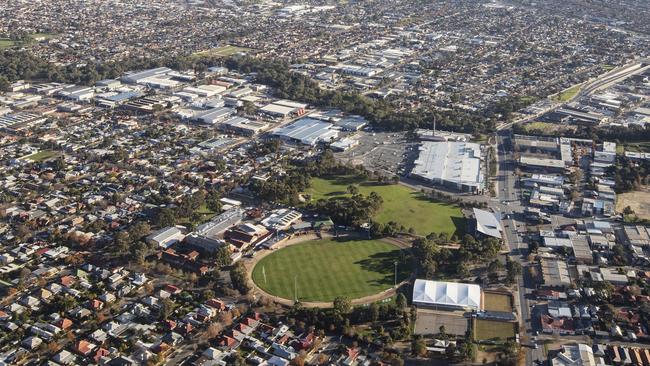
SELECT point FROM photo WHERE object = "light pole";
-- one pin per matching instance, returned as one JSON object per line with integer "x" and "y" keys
{"x": 295, "y": 288}
{"x": 395, "y": 285}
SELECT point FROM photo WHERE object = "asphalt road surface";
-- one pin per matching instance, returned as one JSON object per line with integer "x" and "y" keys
{"x": 509, "y": 205}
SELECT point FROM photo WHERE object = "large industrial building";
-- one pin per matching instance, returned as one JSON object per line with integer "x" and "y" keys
{"x": 242, "y": 126}
{"x": 447, "y": 295}
{"x": 450, "y": 163}
{"x": 214, "y": 115}
{"x": 307, "y": 131}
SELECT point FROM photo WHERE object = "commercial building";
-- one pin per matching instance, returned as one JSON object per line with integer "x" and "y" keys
{"x": 242, "y": 236}
{"x": 635, "y": 235}
{"x": 77, "y": 93}
{"x": 450, "y": 163}
{"x": 20, "y": 121}
{"x": 214, "y": 115}
{"x": 352, "y": 123}
{"x": 344, "y": 144}
{"x": 487, "y": 224}
{"x": 581, "y": 117}
{"x": 165, "y": 237}
{"x": 542, "y": 164}
{"x": 281, "y": 219}
{"x": 555, "y": 273}
{"x": 242, "y": 126}
{"x": 221, "y": 223}
{"x": 307, "y": 131}
{"x": 577, "y": 355}
{"x": 140, "y": 76}
{"x": 447, "y": 295}
{"x": 203, "y": 243}
{"x": 284, "y": 108}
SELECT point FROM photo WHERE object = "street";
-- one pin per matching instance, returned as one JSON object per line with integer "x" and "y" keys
{"x": 509, "y": 206}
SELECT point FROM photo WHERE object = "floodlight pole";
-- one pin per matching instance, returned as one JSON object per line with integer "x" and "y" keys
{"x": 295, "y": 288}
{"x": 395, "y": 285}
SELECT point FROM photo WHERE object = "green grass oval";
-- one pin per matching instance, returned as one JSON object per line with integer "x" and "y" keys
{"x": 325, "y": 269}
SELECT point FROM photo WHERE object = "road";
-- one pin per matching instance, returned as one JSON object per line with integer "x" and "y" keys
{"x": 508, "y": 204}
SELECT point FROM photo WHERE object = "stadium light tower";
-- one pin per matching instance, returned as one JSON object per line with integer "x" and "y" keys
{"x": 395, "y": 285}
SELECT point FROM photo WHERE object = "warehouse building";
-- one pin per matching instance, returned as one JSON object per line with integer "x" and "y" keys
{"x": 20, "y": 121}
{"x": 555, "y": 273}
{"x": 214, "y": 115}
{"x": 242, "y": 126}
{"x": 450, "y": 163}
{"x": 447, "y": 295}
{"x": 284, "y": 108}
{"x": 139, "y": 76}
{"x": 544, "y": 165}
{"x": 307, "y": 131}
{"x": 165, "y": 237}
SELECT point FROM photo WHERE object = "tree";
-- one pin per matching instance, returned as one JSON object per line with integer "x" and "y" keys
{"x": 374, "y": 312}
{"x": 213, "y": 201}
{"x": 401, "y": 301}
{"x": 225, "y": 317}
{"x": 166, "y": 217}
{"x": 222, "y": 256}
{"x": 342, "y": 305}
{"x": 467, "y": 351}
{"x": 514, "y": 269}
{"x": 443, "y": 331}
{"x": 353, "y": 190}
{"x": 214, "y": 329}
{"x": 139, "y": 230}
{"x": 166, "y": 309}
{"x": 628, "y": 211}
{"x": 121, "y": 242}
{"x": 4, "y": 84}
{"x": 238, "y": 279}
{"x": 420, "y": 347}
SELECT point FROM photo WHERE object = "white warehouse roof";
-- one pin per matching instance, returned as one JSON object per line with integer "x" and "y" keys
{"x": 308, "y": 131}
{"x": 447, "y": 294}
{"x": 450, "y": 162}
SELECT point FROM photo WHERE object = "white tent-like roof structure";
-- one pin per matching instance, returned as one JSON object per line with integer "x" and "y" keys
{"x": 447, "y": 294}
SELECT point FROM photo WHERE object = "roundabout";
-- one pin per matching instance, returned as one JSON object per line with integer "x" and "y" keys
{"x": 317, "y": 271}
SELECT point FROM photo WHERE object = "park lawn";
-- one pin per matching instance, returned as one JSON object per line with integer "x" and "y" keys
{"x": 325, "y": 269}
{"x": 567, "y": 94}
{"x": 42, "y": 35}
{"x": 42, "y": 155}
{"x": 6, "y": 43}
{"x": 224, "y": 51}
{"x": 489, "y": 329}
{"x": 204, "y": 211}
{"x": 637, "y": 200}
{"x": 401, "y": 204}
{"x": 542, "y": 126}
{"x": 643, "y": 147}
{"x": 493, "y": 301}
